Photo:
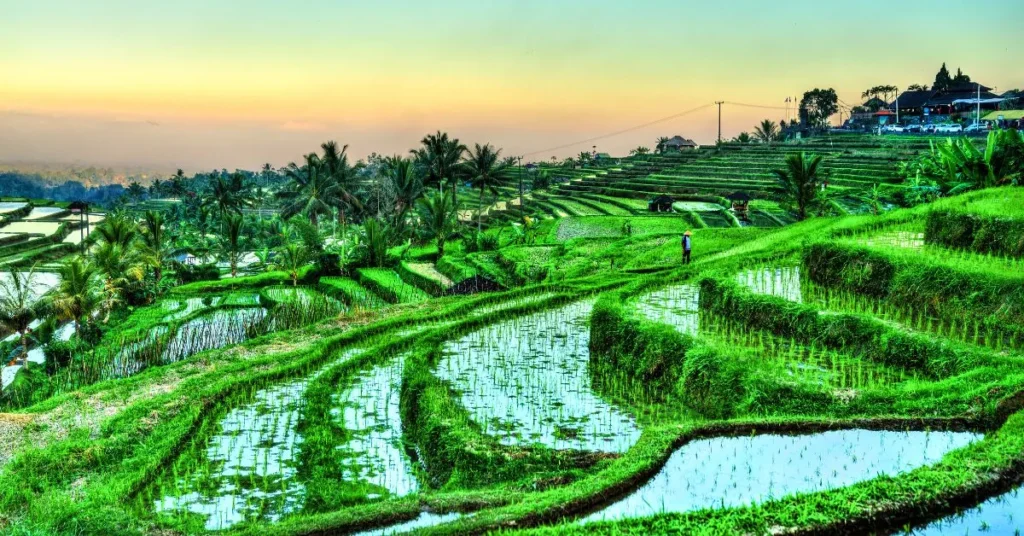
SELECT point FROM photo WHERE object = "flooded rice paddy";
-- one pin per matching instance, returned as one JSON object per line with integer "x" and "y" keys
{"x": 525, "y": 381}
{"x": 369, "y": 410}
{"x": 999, "y": 515}
{"x": 249, "y": 467}
{"x": 739, "y": 471}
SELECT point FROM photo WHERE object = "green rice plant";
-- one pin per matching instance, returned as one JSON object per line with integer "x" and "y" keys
{"x": 388, "y": 285}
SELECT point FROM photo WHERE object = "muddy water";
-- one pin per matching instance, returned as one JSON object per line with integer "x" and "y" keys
{"x": 999, "y": 515}
{"x": 248, "y": 470}
{"x": 738, "y": 471}
{"x": 525, "y": 381}
{"x": 369, "y": 409}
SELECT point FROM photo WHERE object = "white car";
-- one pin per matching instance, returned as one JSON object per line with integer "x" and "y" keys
{"x": 949, "y": 128}
{"x": 975, "y": 127}
{"x": 892, "y": 129}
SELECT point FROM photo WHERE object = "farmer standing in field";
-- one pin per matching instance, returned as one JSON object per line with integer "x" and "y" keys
{"x": 687, "y": 243}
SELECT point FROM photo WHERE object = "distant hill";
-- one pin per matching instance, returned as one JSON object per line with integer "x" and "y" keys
{"x": 53, "y": 174}
{"x": 13, "y": 184}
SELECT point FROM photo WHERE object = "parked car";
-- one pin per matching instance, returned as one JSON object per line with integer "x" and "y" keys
{"x": 913, "y": 128}
{"x": 949, "y": 128}
{"x": 975, "y": 128}
{"x": 892, "y": 129}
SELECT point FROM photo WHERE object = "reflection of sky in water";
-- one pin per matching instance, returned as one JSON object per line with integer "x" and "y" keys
{"x": 780, "y": 282}
{"x": 999, "y": 515}
{"x": 737, "y": 471}
{"x": 369, "y": 410}
{"x": 526, "y": 381}
{"x": 249, "y": 470}
{"x": 425, "y": 519}
{"x": 676, "y": 306}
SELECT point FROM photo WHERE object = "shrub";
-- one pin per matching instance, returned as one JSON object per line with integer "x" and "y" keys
{"x": 982, "y": 234}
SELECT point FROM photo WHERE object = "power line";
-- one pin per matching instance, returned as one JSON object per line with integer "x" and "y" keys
{"x": 624, "y": 131}
{"x": 756, "y": 106}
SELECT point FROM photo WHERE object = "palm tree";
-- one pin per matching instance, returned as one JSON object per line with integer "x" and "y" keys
{"x": 121, "y": 267}
{"x": 440, "y": 157}
{"x": 291, "y": 258}
{"x": 640, "y": 151}
{"x": 231, "y": 241}
{"x": 154, "y": 243}
{"x": 405, "y": 182}
{"x": 76, "y": 296}
{"x": 136, "y": 191}
{"x": 335, "y": 163}
{"x": 660, "y": 147}
{"x": 483, "y": 168}
{"x": 800, "y": 180}
{"x": 119, "y": 230}
{"x": 313, "y": 190}
{"x": 767, "y": 131}
{"x": 377, "y": 235}
{"x": 438, "y": 220}
{"x": 229, "y": 195}
{"x": 17, "y": 307}
{"x": 177, "y": 187}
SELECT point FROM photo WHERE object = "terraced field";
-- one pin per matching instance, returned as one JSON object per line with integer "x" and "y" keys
{"x": 852, "y": 374}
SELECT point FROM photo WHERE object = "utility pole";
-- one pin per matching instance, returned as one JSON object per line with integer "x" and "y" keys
{"x": 719, "y": 103}
{"x": 522, "y": 207}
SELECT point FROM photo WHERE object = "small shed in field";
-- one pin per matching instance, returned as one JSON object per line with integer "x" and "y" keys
{"x": 662, "y": 203}
{"x": 740, "y": 203}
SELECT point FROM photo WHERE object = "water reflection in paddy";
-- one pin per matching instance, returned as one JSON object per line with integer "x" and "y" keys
{"x": 525, "y": 380}
{"x": 248, "y": 469}
{"x": 369, "y": 410}
{"x": 738, "y": 471}
{"x": 999, "y": 515}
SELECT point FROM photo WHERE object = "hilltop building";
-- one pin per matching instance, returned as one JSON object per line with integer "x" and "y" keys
{"x": 679, "y": 143}
{"x": 931, "y": 106}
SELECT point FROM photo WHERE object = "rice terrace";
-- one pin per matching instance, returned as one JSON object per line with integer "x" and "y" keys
{"x": 816, "y": 327}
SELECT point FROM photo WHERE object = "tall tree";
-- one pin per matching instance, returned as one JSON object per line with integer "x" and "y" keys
{"x": 341, "y": 174}
{"x": 155, "y": 245}
{"x": 231, "y": 239}
{"x": 766, "y": 132}
{"x": 438, "y": 220}
{"x": 76, "y": 296}
{"x": 312, "y": 190}
{"x": 121, "y": 267}
{"x": 942, "y": 79}
{"x": 817, "y": 105}
{"x": 799, "y": 180}
{"x": 483, "y": 169}
{"x": 405, "y": 184}
{"x": 18, "y": 306}
{"x": 440, "y": 157}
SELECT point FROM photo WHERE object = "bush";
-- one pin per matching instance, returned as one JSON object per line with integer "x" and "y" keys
{"x": 982, "y": 234}
{"x": 190, "y": 273}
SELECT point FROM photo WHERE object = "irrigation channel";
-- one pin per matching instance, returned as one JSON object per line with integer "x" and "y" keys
{"x": 737, "y": 471}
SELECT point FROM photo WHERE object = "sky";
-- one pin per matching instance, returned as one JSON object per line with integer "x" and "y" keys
{"x": 201, "y": 84}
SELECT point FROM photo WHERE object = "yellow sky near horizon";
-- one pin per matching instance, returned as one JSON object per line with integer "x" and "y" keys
{"x": 198, "y": 84}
